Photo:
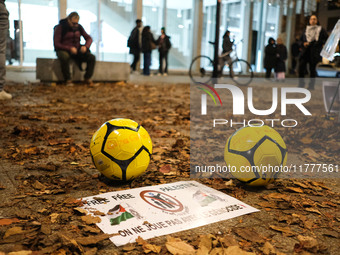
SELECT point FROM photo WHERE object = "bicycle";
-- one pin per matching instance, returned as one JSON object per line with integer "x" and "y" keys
{"x": 242, "y": 72}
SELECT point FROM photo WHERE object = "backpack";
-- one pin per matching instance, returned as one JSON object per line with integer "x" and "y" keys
{"x": 133, "y": 39}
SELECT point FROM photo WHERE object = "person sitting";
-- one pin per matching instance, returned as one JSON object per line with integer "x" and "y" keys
{"x": 67, "y": 46}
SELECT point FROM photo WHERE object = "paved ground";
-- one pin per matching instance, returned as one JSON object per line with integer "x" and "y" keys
{"x": 45, "y": 166}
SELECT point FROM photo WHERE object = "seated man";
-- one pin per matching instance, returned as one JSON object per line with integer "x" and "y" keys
{"x": 67, "y": 45}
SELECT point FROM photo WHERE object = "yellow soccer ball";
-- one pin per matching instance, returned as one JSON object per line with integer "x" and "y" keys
{"x": 121, "y": 149}
{"x": 255, "y": 155}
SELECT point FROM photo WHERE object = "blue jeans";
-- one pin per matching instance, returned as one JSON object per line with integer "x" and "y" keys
{"x": 147, "y": 63}
{"x": 3, "y": 40}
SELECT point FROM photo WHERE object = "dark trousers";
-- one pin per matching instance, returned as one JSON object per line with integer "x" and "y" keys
{"x": 268, "y": 72}
{"x": 3, "y": 42}
{"x": 65, "y": 57}
{"x": 302, "y": 70}
{"x": 135, "y": 61}
{"x": 163, "y": 55}
{"x": 147, "y": 63}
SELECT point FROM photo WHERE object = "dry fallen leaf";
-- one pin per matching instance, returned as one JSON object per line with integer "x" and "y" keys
{"x": 235, "y": 250}
{"x": 306, "y": 140}
{"x": 5, "y": 222}
{"x": 297, "y": 190}
{"x": 151, "y": 248}
{"x": 19, "y": 253}
{"x": 54, "y": 217}
{"x": 13, "y": 231}
{"x": 205, "y": 245}
{"x": 88, "y": 219}
{"x": 91, "y": 240}
{"x": 178, "y": 247}
{"x": 249, "y": 235}
{"x": 148, "y": 247}
{"x": 268, "y": 249}
{"x": 285, "y": 230}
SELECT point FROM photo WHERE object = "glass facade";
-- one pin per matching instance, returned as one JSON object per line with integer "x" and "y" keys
{"x": 110, "y": 22}
{"x": 37, "y": 31}
{"x": 117, "y": 21}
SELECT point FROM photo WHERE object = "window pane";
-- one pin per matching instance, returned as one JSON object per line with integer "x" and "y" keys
{"x": 153, "y": 17}
{"x": 117, "y": 23}
{"x": 13, "y": 54}
{"x": 37, "y": 29}
{"x": 180, "y": 29}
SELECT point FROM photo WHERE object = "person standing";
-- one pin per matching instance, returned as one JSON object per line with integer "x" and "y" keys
{"x": 281, "y": 57}
{"x": 148, "y": 44}
{"x": 67, "y": 45}
{"x": 164, "y": 46}
{"x": 313, "y": 39}
{"x": 295, "y": 50}
{"x": 227, "y": 48}
{"x": 4, "y": 25}
{"x": 134, "y": 43}
{"x": 270, "y": 57}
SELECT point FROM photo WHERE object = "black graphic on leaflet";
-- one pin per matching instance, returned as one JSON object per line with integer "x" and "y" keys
{"x": 161, "y": 201}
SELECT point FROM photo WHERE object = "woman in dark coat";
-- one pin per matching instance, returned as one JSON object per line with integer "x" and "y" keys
{"x": 312, "y": 40}
{"x": 148, "y": 44}
{"x": 281, "y": 57}
{"x": 270, "y": 57}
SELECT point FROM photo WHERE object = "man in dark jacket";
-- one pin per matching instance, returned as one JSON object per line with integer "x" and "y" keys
{"x": 134, "y": 43}
{"x": 67, "y": 45}
{"x": 164, "y": 46}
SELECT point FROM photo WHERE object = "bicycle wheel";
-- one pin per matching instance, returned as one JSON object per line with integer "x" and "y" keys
{"x": 241, "y": 74}
{"x": 201, "y": 68}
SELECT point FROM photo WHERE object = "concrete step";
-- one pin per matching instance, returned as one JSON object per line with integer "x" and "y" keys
{"x": 48, "y": 70}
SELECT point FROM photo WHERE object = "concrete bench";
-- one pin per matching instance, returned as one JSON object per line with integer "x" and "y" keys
{"x": 48, "y": 70}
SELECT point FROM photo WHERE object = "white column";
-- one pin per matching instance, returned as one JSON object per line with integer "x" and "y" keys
{"x": 99, "y": 37}
{"x": 137, "y": 6}
{"x": 21, "y": 44}
{"x": 197, "y": 27}
{"x": 62, "y": 4}
{"x": 164, "y": 13}
{"x": 290, "y": 28}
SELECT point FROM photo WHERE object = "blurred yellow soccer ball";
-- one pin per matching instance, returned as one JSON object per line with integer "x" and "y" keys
{"x": 121, "y": 149}
{"x": 255, "y": 155}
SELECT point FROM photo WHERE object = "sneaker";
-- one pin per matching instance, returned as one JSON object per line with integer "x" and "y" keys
{"x": 88, "y": 82}
{"x": 5, "y": 96}
{"x": 69, "y": 83}
{"x": 159, "y": 74}
{"x": 165, "y": 74}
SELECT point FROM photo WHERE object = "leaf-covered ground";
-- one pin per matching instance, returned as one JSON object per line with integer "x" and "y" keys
{"x": 46, "y": 166}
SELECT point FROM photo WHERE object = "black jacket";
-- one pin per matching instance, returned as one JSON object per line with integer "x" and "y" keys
{"x": 270, "y": 56}
{"x": 281, "y": 57}
{"x": 227, "y": 44}
{"x": 133, "y": 41}
{"x": 147, "y": 38}
{"x": 163, "y": 45}
{"x": 313, "y": 50}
